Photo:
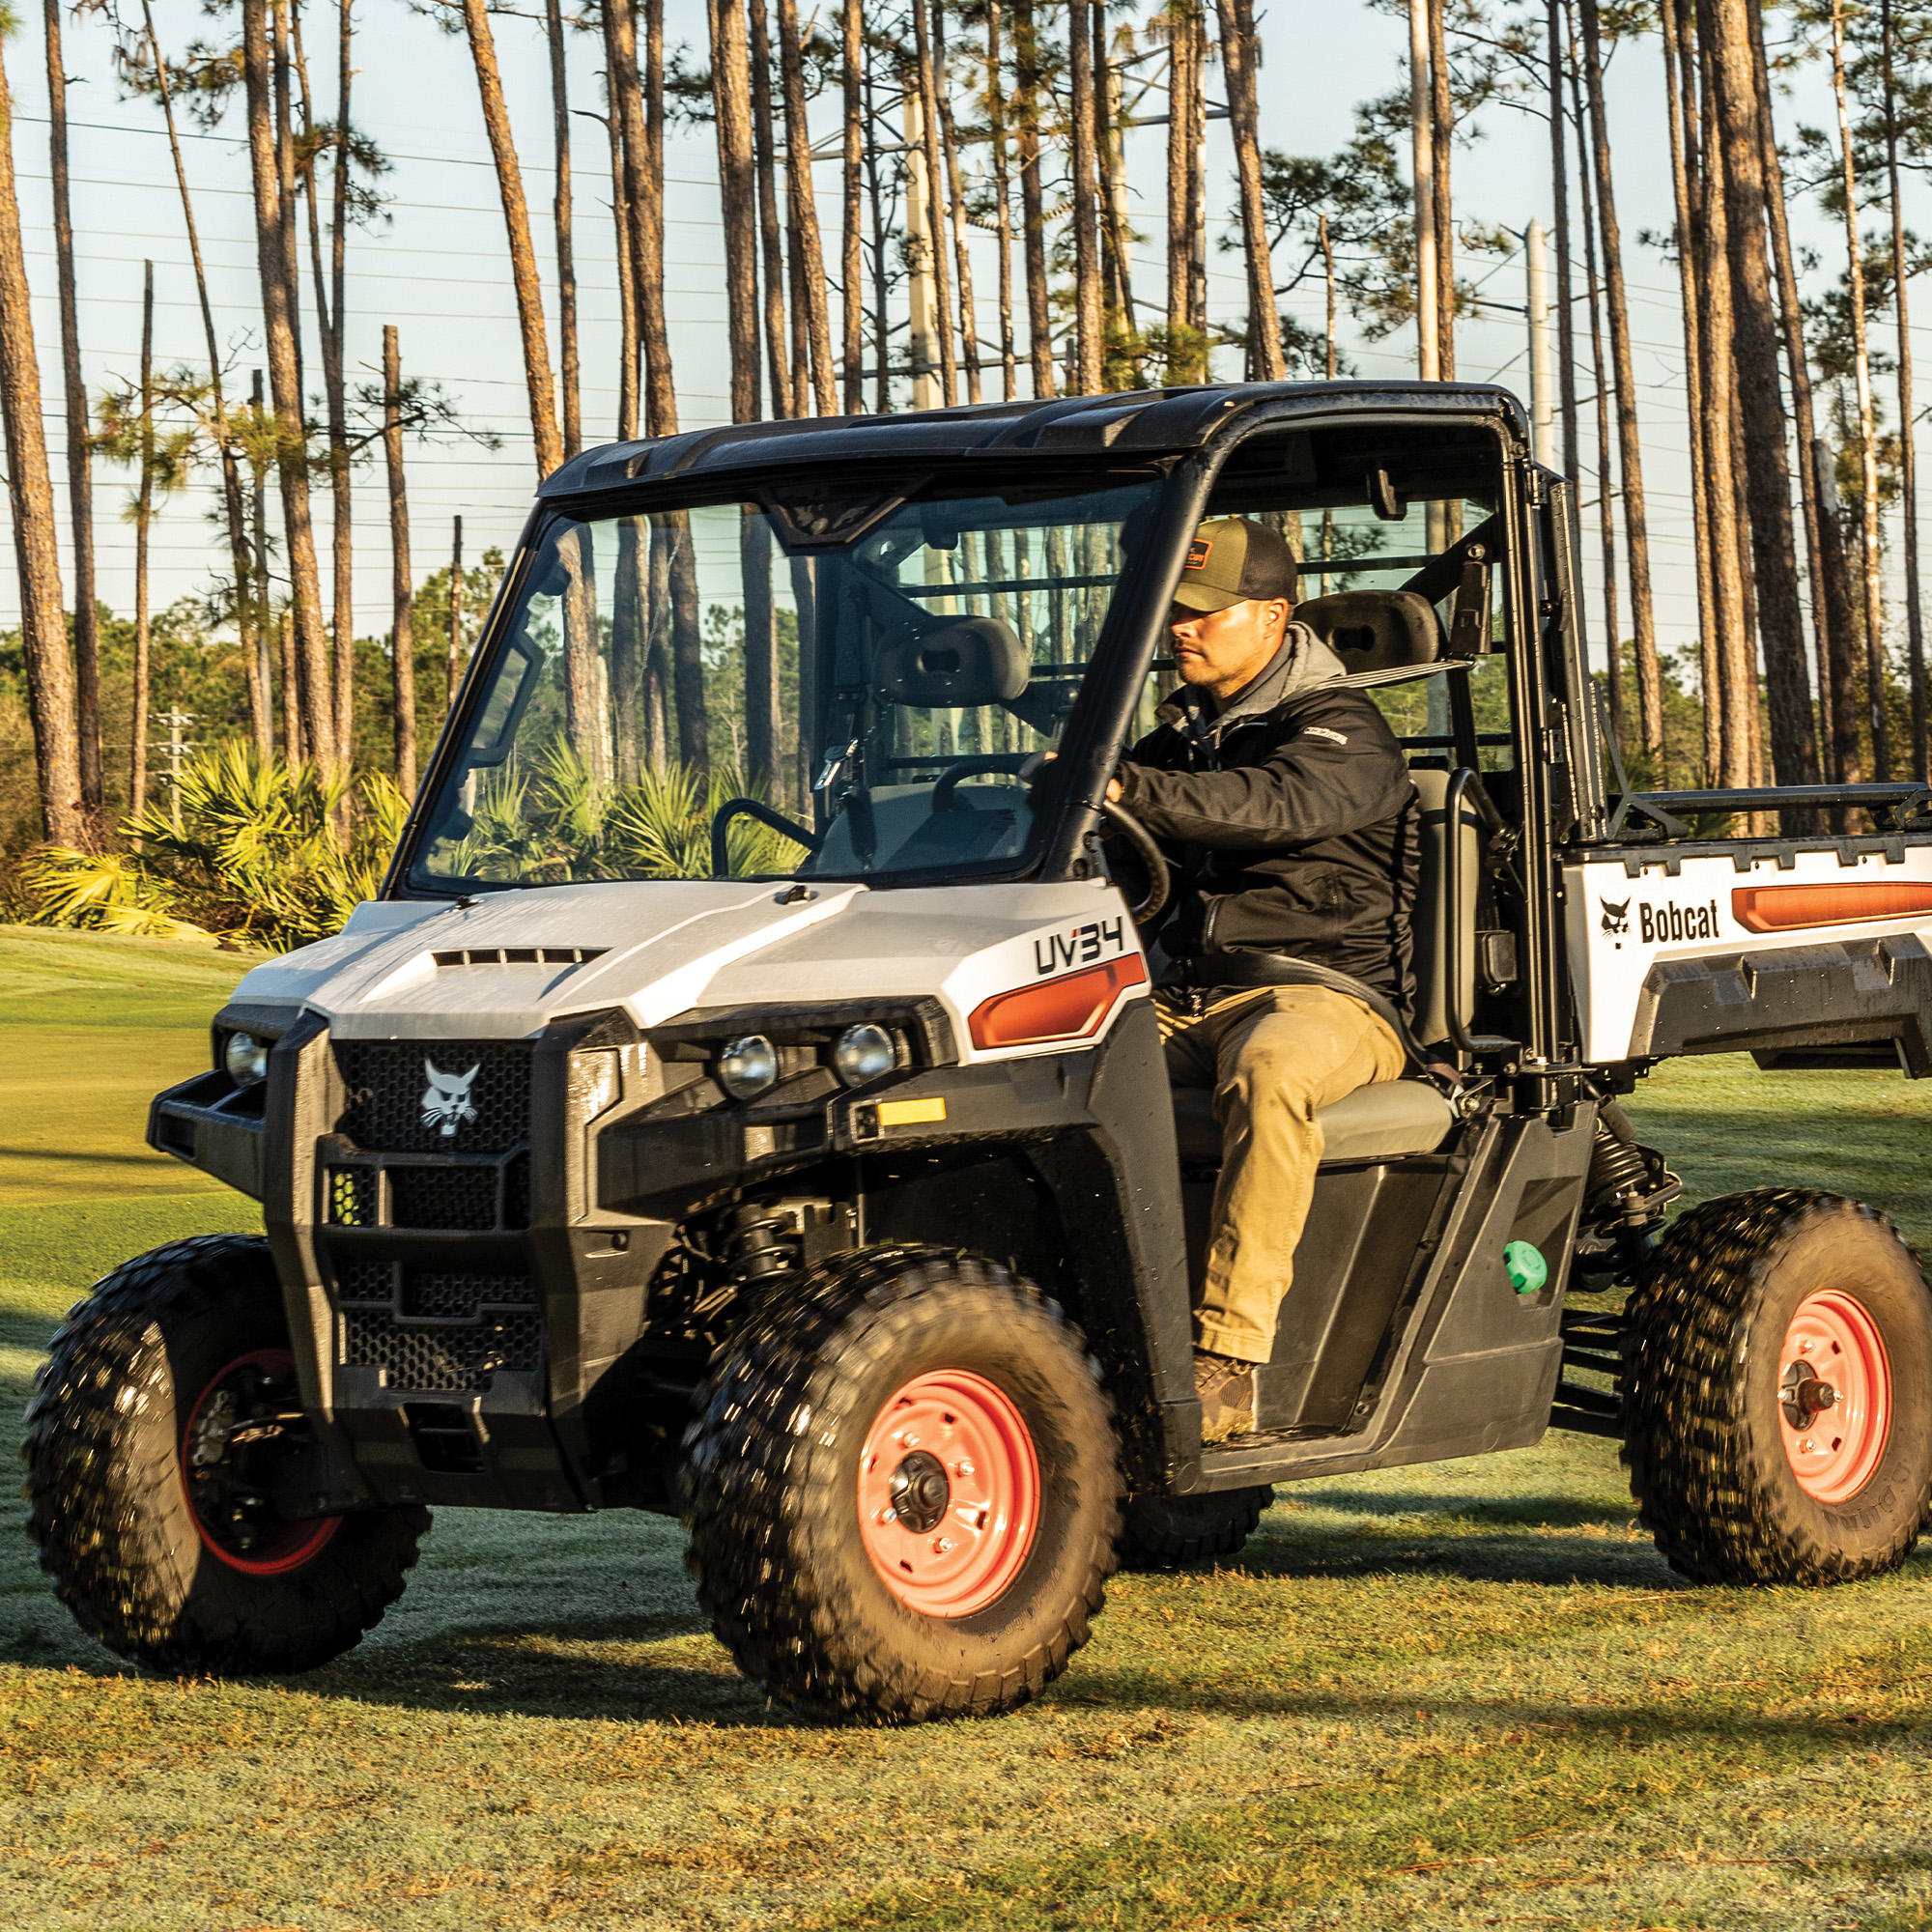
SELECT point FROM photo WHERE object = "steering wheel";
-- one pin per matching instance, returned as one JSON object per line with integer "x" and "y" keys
{"x": 971, "y": 767}
{"x": 1159, "y": 874}
{"x": 765, "y": 815}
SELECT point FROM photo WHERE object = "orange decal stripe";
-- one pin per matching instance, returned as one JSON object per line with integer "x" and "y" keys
{"x": 1069, "y": 1007}
{"x": 1792, "y": 908}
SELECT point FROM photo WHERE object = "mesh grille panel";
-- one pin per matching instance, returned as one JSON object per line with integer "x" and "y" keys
{"x": 409, "y": 1098}
{"x": 352, "y": 1197}
{"x": 441, "y": 1359}
{"x": 365, "y": 1281}
{"x": 435, "y": 1291}
{"x": 443, "y": 1197}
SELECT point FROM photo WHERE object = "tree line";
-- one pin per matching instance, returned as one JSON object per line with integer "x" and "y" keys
{"x": 873, "y": 163}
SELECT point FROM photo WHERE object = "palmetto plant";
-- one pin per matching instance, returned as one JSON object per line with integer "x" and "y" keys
{"x": 549, "y": 818}
{"x": 257, "y": 855}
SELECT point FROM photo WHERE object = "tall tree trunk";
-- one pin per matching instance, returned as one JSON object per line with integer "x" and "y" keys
{"x": 247, "y": 619}
{"x": 402, "y": 579}
{"x": 545, "y": 436}
{"x": 80, "y": 449}
{"x": 144, "y": 516}
{"x": 1730, "y": 692}
{"x": 1630, "y": 454}
{"x": 876, "y": 210}
{"x": 1183, "y": 83}
{"x": 1908, "y": 461}
{"x": 1110, "y": 93}
{"x": 1087, "y": 322}
{"x": 925, "y": 80}
{"x": 569, "y": 371}
{"x": 1680, "y": 105}
{"x": 1797, "y": 372}
{"x": 807, "y": 247}
{"x": 1855, "y": 270}
{"x": 627, "y": 289}
{"x": 1442, "y": 132}
{"x": 764, "y": 156}
{"x": 732, "y": 112}
{"x": 1560, "y": 175}
{"x": 955, "y": 197}
{"x": 277, "y": 637}
{"x": 314, "y": 689}
{"x": 30, "y": 493}
{"x": 1843, "y": 675}
{"x": 1240, "y": 47}
{"x": 329, "y": 302}
{"x": 1755, "y": 346}
{"x": 1003, "y": 200}
{"x": 455, "y": 639}
{"x": 1607, "y": 490}
{"x": 1028, "y": 88}
{"x": 851, "y": 237}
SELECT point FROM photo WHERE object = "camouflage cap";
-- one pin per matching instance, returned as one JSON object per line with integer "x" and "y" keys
{"x": 1232, "y": 559}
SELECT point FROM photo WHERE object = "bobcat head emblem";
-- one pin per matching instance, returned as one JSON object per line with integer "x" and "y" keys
{"x": 445, "y": 1101}
{"x": 1616, "y": 918}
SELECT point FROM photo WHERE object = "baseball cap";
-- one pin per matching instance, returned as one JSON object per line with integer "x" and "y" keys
{"x": 1232, "y": 560}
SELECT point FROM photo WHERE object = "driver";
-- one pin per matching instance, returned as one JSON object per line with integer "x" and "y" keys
{"x": 1284, "y": 804}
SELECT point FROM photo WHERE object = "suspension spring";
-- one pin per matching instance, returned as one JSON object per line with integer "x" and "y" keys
{"x": 759, "y": 1241}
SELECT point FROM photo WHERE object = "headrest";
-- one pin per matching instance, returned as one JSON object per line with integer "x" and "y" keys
{"x": 1375, "y": 629}
{"x": 967, "y": 661}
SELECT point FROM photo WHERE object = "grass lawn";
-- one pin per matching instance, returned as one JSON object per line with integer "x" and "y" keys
{"x": 1468, "y": 1695}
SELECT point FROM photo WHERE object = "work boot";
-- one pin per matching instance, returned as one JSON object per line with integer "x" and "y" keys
{"x": 1226, "y": 1388}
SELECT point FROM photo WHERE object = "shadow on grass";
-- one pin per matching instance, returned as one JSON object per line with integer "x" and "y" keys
{"x": 1556, "y": 1512}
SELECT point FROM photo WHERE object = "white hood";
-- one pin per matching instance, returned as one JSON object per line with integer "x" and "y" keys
{"x": 398, "y": 968}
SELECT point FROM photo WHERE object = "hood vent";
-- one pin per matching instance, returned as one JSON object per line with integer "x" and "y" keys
{"x": 520, "y": 955}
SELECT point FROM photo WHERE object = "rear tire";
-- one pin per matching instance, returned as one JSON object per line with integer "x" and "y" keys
{"x": 901, "y": 1489}
{"x": 152, "y": 1521}
{"x": 1162, "y": 1532}
{"x": 1778, "y": 1392}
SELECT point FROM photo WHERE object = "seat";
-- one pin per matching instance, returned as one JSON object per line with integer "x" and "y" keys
{"x": 1384, "y": 1121}
{"x": 1393, "y": 1117}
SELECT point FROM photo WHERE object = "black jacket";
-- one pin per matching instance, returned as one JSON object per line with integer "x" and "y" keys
{"x": 1293, "y": 819}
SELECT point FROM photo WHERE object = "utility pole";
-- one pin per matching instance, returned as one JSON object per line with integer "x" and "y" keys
{"x": 921, "y": 294}
{"x": 1422, "y": 144}
{"x": 1542, "y": 417}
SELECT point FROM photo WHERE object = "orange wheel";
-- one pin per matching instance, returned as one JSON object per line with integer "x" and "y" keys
{"x": 949, "y": 1493}
{"x": 1834, "y": 1396}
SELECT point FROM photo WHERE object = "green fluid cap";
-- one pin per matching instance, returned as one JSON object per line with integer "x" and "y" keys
{"x": 1527, "y": 1269}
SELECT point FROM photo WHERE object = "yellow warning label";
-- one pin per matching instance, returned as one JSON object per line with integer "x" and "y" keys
{"x": 911, "y": 1113}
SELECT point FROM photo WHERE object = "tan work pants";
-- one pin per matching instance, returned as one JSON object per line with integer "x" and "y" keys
{"x": 1273, "y": 1056}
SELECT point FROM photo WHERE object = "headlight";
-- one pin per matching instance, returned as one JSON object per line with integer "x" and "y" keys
{"x": 748, "y": 1065}
{"x": 864, "y": 1053}
{"x": 246, "y": 1059}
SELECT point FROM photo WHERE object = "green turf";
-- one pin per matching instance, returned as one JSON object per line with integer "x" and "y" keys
{"x": 1460, "y": 1695}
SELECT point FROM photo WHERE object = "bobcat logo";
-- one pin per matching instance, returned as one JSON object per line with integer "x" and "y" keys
{"x": 1616, "y": 920}
{"x": 445, "y": 1101}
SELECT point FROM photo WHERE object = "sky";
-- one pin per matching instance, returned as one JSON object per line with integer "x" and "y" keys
{"x": 436, "y": 266}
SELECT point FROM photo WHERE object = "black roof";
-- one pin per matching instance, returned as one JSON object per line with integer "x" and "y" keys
{"x": 1141, "y": 422}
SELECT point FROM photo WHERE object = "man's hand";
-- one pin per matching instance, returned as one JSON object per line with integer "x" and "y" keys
{"x": 1112, "y": 784}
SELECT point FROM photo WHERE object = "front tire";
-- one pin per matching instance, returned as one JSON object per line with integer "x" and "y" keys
{"x": 152, "y": 1435}
{"x": 1778, "y": 1392}
{"x": 902, "y": 1486}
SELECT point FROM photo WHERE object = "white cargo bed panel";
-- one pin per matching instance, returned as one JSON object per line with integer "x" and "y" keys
{"x": 1723, "y": 903}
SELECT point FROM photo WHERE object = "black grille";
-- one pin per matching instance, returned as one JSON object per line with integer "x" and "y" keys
{"x": 443, "y": 1357}
{"x": 389, "y": 1082}
{"x": 443, "y": 1197}
{"x": 452, "y": 1329}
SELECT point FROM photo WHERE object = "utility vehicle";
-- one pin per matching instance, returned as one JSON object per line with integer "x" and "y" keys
{"x": 834, "y": 1197}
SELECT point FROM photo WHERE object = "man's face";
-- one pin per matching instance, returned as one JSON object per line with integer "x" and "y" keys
{"x": 1222, "y": 651}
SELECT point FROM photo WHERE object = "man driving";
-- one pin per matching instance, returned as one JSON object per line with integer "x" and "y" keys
{"x": 1284, "y": 803}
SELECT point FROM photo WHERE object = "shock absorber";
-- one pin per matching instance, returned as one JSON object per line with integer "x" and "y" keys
{"x": 758, "y": 1240}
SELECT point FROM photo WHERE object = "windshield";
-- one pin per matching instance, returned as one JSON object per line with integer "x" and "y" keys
{"x": 877, "y": 701}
